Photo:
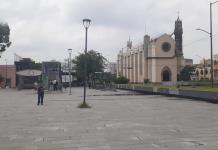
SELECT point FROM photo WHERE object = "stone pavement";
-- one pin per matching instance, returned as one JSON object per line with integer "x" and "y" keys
{"x": 117, "y": 121}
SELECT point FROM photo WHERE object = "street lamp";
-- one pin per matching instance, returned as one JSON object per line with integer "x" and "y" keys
{"x": 6, "y": 72}
{"x": 65, "y": 70}
{"x": 86, "y": 23}
{"x": 70, "y": 51}
{"x": 211, "y": 41}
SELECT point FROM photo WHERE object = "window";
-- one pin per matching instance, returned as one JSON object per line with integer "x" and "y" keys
{"x": 202, "y": 72}
{"x": 166, "y": 46}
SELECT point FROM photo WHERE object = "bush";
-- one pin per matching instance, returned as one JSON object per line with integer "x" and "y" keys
{"x": 146, "y": 81}
{"x": 121, "y": 80}
{"x": 84, "y": 105}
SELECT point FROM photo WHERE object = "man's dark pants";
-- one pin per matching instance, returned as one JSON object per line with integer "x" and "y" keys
{"x": 40, "y": 98}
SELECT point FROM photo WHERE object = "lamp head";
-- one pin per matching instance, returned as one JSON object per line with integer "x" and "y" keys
{"x": 86, "y": 22}
{"x": 70, "y": 50}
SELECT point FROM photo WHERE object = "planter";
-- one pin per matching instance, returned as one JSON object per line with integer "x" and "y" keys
{"x": 164, "y": 91}
{"x": 192, "y": 94}
{"x": 201, "y": 95}
{"x": 145, "y": 90}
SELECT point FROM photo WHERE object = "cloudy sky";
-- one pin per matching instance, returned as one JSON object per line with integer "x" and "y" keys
{"x": 45, "y": 29}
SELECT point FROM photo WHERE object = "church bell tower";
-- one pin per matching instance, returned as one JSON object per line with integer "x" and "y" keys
{"x": 178, "y": 47}
{"x": 178, "y": 37}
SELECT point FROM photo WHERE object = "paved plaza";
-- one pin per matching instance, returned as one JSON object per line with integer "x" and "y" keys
{"x": 118, "y": 120}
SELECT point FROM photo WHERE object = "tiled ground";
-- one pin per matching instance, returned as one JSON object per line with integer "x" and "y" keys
{"x": 117, "y": 121}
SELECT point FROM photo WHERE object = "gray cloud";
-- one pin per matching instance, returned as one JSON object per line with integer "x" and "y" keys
{"x": 45, "y": 29}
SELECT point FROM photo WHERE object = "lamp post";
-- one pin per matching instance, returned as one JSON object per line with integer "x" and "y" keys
{"x": 65, "y": 70}
{"x": 211, "y": 41}
{"x": 86, "y": 23}
{"x": 6, "y": 72}
{"x": 70, "y": 51}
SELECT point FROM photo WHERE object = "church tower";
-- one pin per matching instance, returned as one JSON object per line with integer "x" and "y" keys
{"x": 178, "y": 36}
{"x": 178, "y": 47}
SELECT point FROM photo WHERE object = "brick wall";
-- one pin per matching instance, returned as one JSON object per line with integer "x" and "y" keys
{"x": 11, "y": 75}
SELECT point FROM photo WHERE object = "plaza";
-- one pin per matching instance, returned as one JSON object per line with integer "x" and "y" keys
{"x": 118, "y": 120}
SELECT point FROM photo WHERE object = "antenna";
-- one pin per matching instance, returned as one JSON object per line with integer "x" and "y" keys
{"x": 178, "y": 13}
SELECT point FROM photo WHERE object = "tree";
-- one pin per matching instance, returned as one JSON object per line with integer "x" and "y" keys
{"x": 121, "y": 80}
{"x": 186, "y": 73}
{"x": 4, "y": 37}
{"x": 95, "y": 63}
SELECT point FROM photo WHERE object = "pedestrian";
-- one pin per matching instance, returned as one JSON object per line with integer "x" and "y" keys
{"x": 54, "y": 85}
{"x": 40, "y": 92}
{"x": 50, "y": 85}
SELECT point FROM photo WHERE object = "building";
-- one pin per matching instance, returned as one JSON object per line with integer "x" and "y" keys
{"x": 111, "y": 67}
{"x": 188, "y": 62}
{"x": 203, "y": 70}
{"x": 156, "y": 60}
{"x": 7, "y": 76}
{"x": 65, "y": 71}
{"x": 51, "y": 71}
{"x": 27, "y": 73}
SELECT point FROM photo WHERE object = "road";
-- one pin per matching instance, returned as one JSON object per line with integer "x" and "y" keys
{"x": 118, "y": 120}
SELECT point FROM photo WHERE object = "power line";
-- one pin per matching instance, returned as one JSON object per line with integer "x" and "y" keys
{"x": 193, "y": 42}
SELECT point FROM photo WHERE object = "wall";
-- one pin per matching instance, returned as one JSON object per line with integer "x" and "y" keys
{"x": 11, "y": 75}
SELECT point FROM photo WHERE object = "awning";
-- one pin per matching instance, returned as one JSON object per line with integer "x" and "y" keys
{"x": 29, "y": 72}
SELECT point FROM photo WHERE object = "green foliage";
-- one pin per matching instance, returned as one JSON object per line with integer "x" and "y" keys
{"x": 186, "y": 72}
{"x": 84, "y": 105}
{"x": 4, "y": 36}
{"x": 146, "y": 81}
{"x": 121, "y": 80}
{"x": 95, "y": 63}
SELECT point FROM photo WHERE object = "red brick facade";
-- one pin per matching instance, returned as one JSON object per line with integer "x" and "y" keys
{"x": 8, "y": 71}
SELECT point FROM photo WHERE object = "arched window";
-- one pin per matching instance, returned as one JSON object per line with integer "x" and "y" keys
{"x": 202, "y": 72}
{"x": 206, "y": 71}
{"x": 166, "y": 74}
{"x": 197, "y": 73}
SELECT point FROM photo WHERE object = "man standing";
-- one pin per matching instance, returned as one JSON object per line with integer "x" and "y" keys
{"x": 40, "y": 92}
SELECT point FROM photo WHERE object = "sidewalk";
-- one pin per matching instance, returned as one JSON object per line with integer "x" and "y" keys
{"x": 119, "y": 120}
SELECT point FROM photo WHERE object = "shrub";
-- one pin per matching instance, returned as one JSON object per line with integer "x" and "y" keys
{"x": 121, "y": 80}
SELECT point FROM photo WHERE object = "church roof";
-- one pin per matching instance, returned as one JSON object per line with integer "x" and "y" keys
{"x": 155, "y": 39}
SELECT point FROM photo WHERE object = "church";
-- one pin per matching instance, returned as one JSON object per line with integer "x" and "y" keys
{"x": 156, "y": 60}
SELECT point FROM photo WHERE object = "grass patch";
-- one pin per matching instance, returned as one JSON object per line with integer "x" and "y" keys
{"x": 193, "y": 88}
{"x": 84, "y": 105}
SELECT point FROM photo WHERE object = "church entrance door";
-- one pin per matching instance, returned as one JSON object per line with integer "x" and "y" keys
{"x": 166, "y": 74}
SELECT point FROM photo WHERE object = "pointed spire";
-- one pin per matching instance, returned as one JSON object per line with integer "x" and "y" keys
{"x": 129, "y": 43}
{"x": 178, "y": 19}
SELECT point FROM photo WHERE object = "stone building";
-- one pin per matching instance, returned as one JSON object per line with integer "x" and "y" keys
{"x": 156, "y": 60}
{"x": 203, "y": 70}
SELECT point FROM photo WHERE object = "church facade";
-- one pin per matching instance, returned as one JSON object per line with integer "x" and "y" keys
{"x": 156, "y": 60}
